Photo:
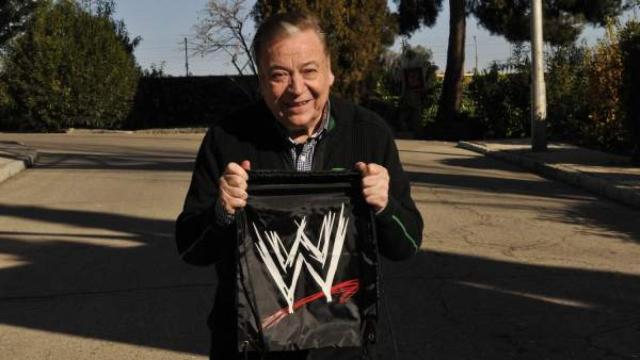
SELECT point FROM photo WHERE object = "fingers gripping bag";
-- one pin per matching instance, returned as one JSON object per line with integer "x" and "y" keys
{"x": 307, "y": 263}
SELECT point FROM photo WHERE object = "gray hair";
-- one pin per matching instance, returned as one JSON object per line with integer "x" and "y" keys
{"x": 283, "y": 25}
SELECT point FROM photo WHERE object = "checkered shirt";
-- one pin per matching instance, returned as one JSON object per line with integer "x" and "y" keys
{"x": 302, "y": 154}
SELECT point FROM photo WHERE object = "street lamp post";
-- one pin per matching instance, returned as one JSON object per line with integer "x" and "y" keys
{"x": 538, "y": 91}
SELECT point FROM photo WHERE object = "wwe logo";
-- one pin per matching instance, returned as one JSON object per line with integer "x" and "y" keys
{"x": 325, "y": 251}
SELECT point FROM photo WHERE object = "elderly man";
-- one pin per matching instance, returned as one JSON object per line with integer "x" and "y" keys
{"x": 298, "y": 126}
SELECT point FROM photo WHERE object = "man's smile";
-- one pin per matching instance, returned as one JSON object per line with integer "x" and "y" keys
{"x": 295, "y": 104}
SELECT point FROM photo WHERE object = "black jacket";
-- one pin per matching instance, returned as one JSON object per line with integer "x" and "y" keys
{"x": 355, "y": 134}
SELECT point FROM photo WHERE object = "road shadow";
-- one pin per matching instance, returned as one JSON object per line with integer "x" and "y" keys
{"x": 570, "y": 155}
{"x": 535, "y": 188}
{"x": 113, "y": 277}
{"x": 118, "y": 161}
{"x": 587, "y": 209}
{"x": 448, "y": 306}
{"x": 613, "y": 168}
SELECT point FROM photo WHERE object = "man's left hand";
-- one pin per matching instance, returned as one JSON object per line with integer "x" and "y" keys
{"x": 375, "y": 185}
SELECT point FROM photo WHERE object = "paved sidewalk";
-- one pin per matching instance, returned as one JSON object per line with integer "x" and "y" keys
{"x": 605, "y": 174}
{"x": 15, "y": 157}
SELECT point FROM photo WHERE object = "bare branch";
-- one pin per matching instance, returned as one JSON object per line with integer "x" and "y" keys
{"x": 222, "y": 29}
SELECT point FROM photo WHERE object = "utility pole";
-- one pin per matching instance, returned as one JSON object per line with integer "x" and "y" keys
{"x": 475, "y": 41}
{"x": 538, "y": 90}
{"x": 186, "y": 57}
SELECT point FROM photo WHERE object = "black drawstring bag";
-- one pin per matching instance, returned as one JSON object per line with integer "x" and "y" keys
{"x": 307, "y": 263}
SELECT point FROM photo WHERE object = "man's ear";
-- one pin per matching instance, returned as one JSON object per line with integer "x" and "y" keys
{"x": 332, "y": 78}
{"x": 260, "y": 83}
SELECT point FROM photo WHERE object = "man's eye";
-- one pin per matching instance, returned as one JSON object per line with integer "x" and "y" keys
{"x": 309, "y": 73}
{"x": 278, "y": 76}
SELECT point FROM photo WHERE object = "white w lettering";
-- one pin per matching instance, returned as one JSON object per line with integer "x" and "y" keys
{"x": 321, "y": 252}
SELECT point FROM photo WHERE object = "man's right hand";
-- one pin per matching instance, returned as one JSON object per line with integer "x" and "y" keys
{"x": 233, "y": 186}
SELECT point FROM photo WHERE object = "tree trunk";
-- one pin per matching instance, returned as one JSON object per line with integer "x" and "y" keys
{"x": 451, "y": 95}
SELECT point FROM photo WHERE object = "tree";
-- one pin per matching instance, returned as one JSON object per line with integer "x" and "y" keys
{"x": 69, "y": 68}
{"x": 564, "y": 21}
{"x": 13, "y": 15}
{"x": 225, "y": 29}
{"x": 105, "y": 9}
{"x": 357, "y": 33}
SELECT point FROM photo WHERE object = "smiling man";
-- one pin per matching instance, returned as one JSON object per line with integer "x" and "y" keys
{"x": 295, "y": 78}
{"x": 298, "y": 126}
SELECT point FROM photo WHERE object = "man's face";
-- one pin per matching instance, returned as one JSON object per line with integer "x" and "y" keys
{"x": 295, "y": 77}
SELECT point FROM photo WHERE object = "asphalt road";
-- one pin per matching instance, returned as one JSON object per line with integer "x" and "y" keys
{"x": 513, "y": 266}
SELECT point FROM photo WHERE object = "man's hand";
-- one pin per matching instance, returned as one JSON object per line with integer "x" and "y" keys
{"x": 233, "y": 186}
{"x": 375, "y": 185}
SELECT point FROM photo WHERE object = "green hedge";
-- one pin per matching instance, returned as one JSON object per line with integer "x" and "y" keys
{"x": 630, "y": 48}
{"x": 188, "y": 101}
{"x": 500, "y": 103}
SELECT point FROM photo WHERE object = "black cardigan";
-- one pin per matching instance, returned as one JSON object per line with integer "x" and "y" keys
{"x": 252, "y": 134}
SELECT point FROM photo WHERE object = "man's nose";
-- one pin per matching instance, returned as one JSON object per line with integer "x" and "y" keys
{"x": 296, "y": 84}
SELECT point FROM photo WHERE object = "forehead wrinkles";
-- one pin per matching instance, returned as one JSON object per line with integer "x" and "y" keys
{"x": 279, "y": 49}
{"x": 300, "y": 52}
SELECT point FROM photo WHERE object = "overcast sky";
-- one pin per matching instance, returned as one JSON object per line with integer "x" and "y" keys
{"x": 163, "y": 25}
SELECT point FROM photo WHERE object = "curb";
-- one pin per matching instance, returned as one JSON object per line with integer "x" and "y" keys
{"x": 564, "y": 173}
{"x": 158, "y": 131}
{"x": 96, "y": 131}
{"x": 17, "y": 158}
{"x": 169, "y": 131}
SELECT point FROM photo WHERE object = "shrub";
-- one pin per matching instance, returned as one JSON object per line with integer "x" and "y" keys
{"x": 630, "y": 48}
{"x": 69, "y": 69}
{"x": 5, "y": 104}
{"x": 187, "y": 101}
{"x": 604, "y": 124}
{"x": 500, "y": 102}
{"x": 566, "y": 84}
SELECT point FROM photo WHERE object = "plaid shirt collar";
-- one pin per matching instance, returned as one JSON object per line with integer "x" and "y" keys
{"x": 324, "y": 124}
{"x": 302, "y": 154}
